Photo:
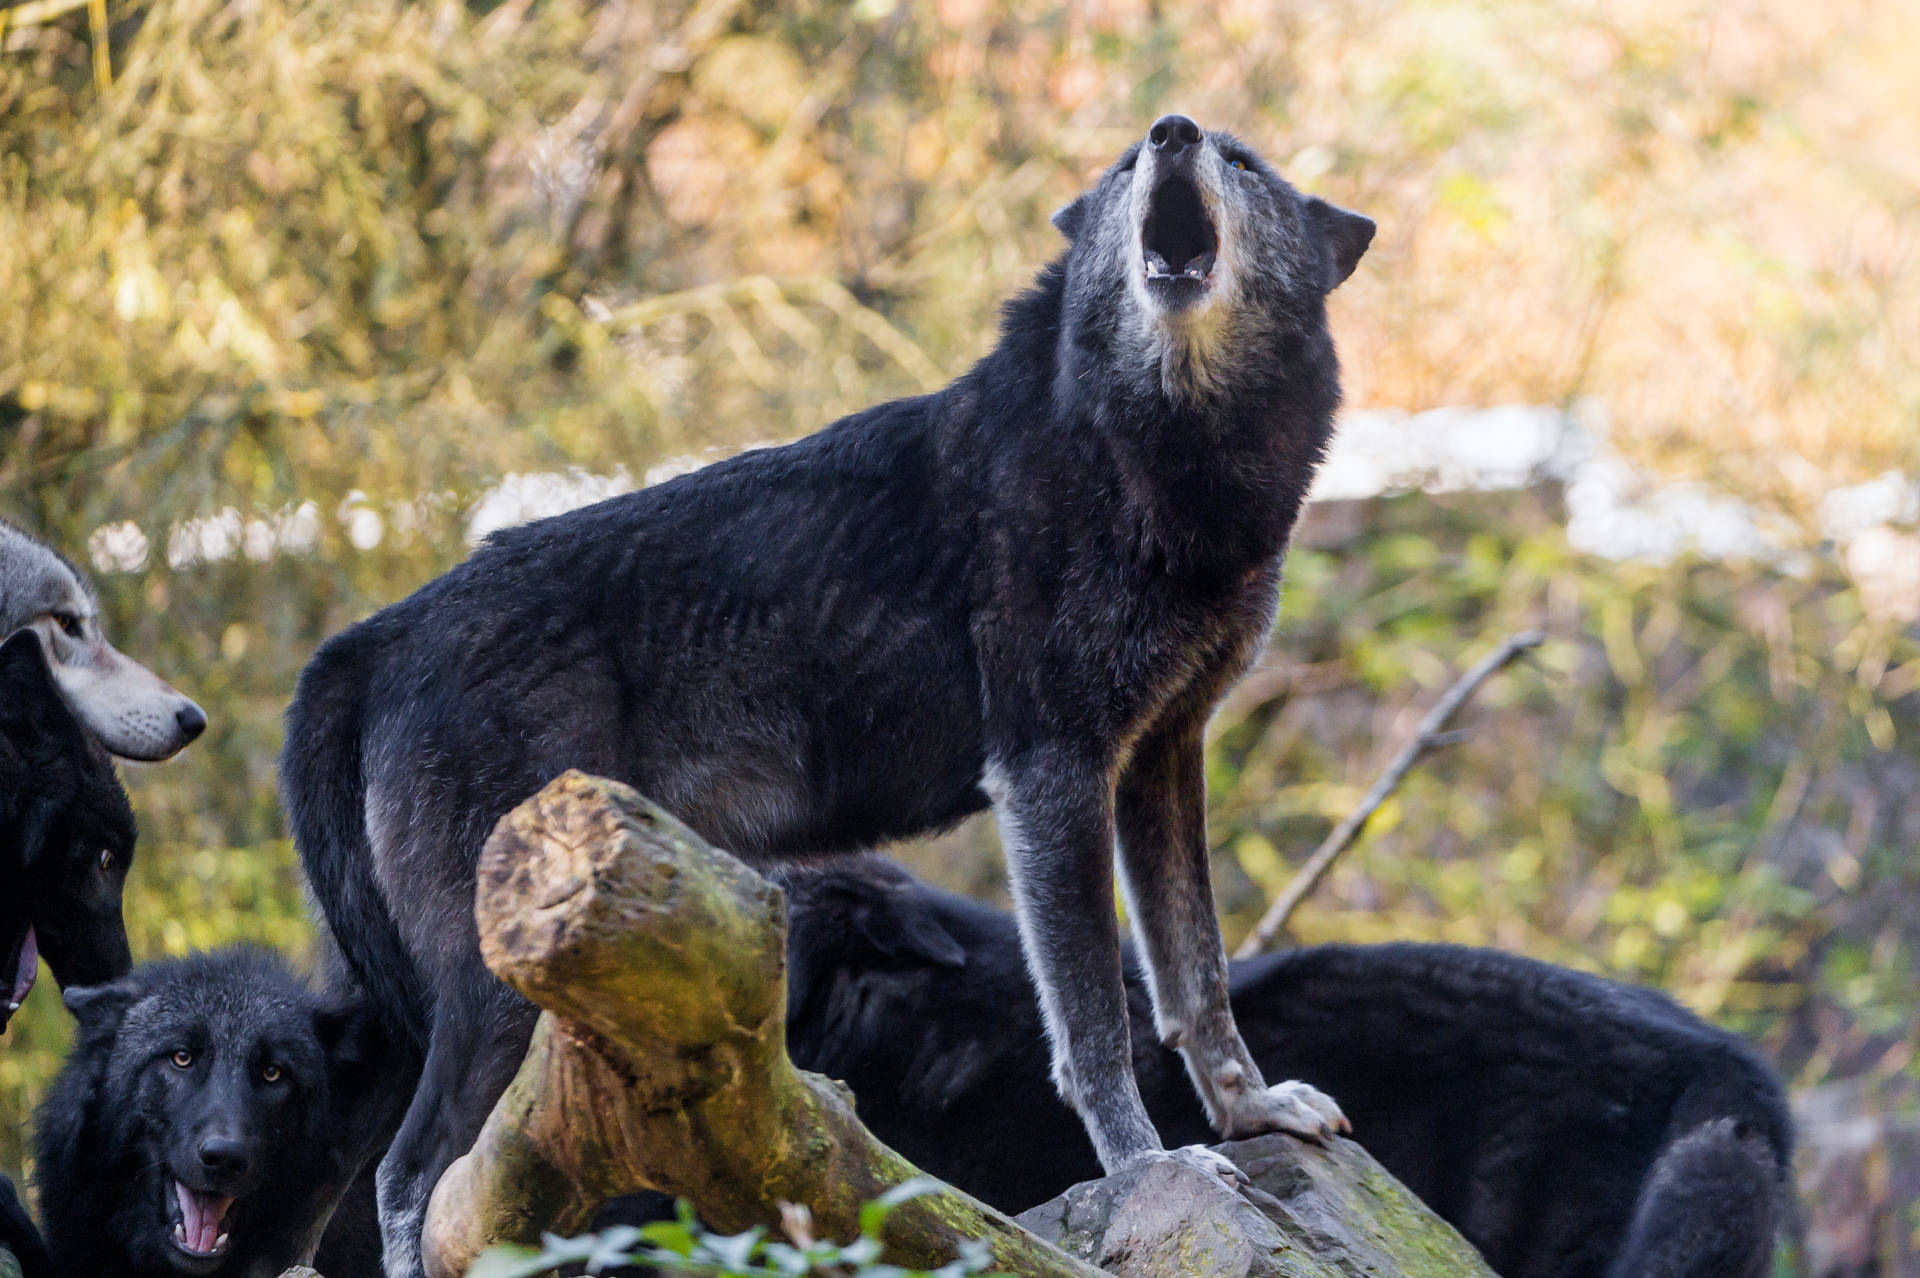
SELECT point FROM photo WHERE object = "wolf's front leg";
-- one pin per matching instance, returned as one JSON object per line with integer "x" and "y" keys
{"x": 1161, "y": 811}
{"x": 1055, "y": 814}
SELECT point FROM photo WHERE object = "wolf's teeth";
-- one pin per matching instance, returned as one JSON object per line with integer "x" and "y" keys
{"x": 180, "y": 1234}
{"x": 220, "y": 1243}
{"x": 1156, "y": 265}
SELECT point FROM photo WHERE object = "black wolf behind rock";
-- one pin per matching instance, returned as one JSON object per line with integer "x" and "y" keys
{"x": 1027, "y": 590}
{"x": 66, "y": 836}
{"x": 211, "y": 1112}
{"x": 1569, "y": 1126}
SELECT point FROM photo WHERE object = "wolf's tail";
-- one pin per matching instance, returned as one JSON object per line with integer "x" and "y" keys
{"x": 323, "y": 787}
{"x": 1709, "y": 1208}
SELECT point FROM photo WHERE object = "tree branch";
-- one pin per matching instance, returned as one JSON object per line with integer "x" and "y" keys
{"x": 1429, "y": 735}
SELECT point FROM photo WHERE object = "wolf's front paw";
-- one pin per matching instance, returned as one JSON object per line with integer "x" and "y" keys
{"x": 1295, "y": 1108}
{"x": 1198, "y": 1157}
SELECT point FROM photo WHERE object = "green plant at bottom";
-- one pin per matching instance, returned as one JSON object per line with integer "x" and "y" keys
{"x": 685, "y": 1246}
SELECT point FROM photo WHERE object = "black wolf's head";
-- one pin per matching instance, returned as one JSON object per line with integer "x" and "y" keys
{"x": 1192, "y": 260}
{"x": 66, "y": 836}
{"x": 196, "y": 1127}
{"x": 862, "y": 911}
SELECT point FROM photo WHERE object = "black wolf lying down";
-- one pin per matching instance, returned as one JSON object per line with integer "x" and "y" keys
{"x": 1568, "y": 1126}
{"x": 1027, "y": 590}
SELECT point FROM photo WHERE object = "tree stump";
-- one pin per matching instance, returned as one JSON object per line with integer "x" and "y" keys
{"x": 660, "y": 1060}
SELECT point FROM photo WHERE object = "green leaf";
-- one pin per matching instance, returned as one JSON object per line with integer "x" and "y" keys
{"x": 506, "y": 1260}
{"x": 735, "y": 1251}
{"x": 861, "y": 1252}
{"x": 673, "y": 1236}
{"x": 875, "y": 1213}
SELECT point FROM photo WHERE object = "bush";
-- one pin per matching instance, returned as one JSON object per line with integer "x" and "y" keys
{"x": 685, "y": 1246}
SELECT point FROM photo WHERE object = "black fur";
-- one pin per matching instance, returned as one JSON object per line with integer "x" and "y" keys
{"x": 1030, "y": 587}
{"x": 224, "y": 1073}
{"x": 66, "y": 832}
{"x": 19, "y": 1235}
{"x": 1568, "y": 1126}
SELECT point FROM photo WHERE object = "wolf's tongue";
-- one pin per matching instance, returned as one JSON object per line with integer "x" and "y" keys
{"x": 24, "y": 974}
{"x": 202, "y": 1214}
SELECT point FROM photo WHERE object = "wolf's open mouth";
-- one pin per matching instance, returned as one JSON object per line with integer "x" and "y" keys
{"x": 199, "y": 1222}
{"x": 1178, "y": 240}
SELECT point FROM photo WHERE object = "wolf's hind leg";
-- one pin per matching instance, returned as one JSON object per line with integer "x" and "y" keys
{"x": 1161, "y": 813}
{"x": 479, "y": 1036}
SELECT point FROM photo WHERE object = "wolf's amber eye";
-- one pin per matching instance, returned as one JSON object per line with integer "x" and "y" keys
{"x": 271, "y": 1074}
{"x": 182, "y": 1059}
{"x": 1239, "y": 164}
{"x": 70, "y": 623}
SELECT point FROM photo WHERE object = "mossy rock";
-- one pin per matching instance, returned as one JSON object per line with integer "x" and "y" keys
{"x": 1310, "y": 1212}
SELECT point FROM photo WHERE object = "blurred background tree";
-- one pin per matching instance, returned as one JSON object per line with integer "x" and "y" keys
{"x": 292, "y": 298}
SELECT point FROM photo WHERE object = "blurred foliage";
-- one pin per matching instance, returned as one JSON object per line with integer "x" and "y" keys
{"x": 686, "y": 1246}
{"x": 1707, "y": 780}
{"x": 343, "y": 264}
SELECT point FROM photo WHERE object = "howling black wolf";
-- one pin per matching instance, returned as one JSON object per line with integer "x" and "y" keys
{"x": 1027, "y": 590}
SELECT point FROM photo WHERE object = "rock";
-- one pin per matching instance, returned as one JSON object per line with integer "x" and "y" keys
{"x": 1310, "y": 1212}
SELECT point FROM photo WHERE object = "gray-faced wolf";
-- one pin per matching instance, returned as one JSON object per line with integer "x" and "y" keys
{"x": 208, "y": 1118}
{"x": 1027, "y": 590}
{"x": 133, "y": 711}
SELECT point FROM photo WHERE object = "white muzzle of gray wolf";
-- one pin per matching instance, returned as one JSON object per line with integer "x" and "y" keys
{"x": 135, "y": 713}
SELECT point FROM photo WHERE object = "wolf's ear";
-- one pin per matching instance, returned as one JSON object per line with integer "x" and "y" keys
{"x": 1346, "y": 236}
{"x": 99, "y": 1008}
{"x": 34, "y": 718}
{"x": 27, "y": 690}
{"x": 1070, "y": 219}
{"x": 37, "y": 735}
{"x": 349, "y": 1031}
{"x": 900, "y": 926}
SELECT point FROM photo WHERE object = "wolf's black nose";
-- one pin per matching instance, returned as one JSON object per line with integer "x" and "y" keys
{"x": 224, "y": 1156}
{"x": 1172, "y": 134}
{"x": 192, "y": 720}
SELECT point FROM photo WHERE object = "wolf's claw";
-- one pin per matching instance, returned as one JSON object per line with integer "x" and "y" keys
{"x": 1296, "y": 1108}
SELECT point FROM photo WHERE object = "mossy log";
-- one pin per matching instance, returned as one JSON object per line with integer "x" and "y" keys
{"x": 660, "y": 1061}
